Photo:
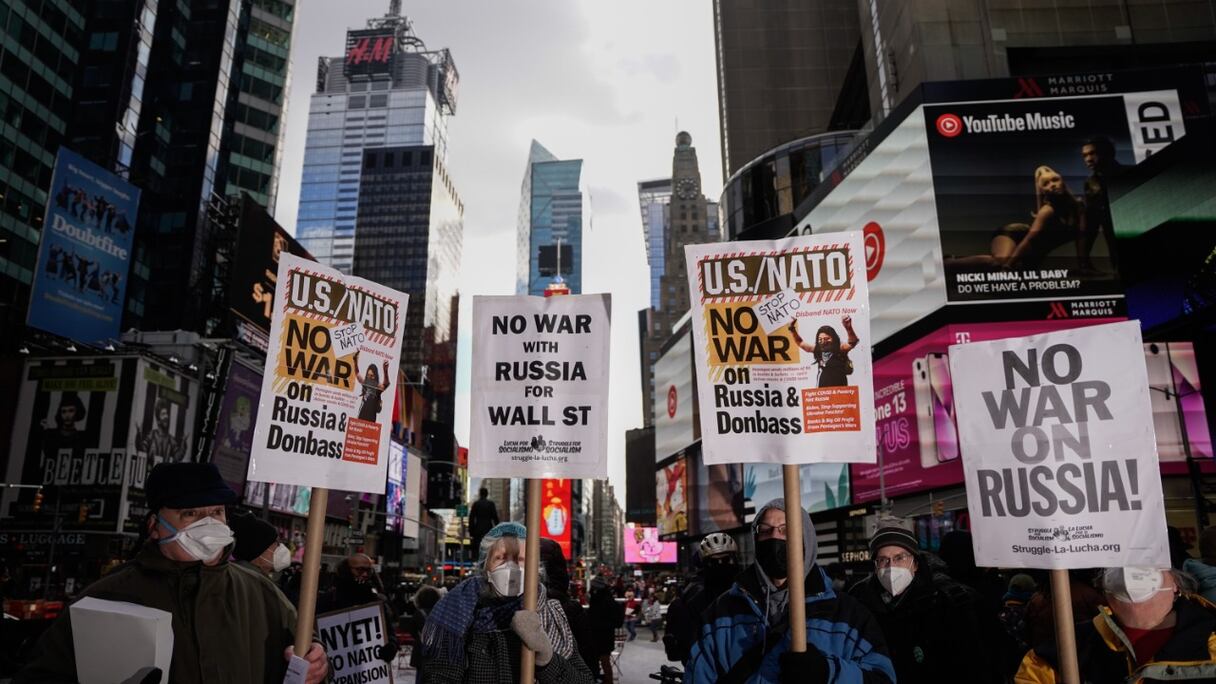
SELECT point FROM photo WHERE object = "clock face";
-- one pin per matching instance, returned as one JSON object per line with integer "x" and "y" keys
{"x": 686, "y": 188}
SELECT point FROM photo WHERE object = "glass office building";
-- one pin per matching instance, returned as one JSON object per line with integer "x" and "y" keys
{"x": 654, "y": 199}
{"x": 551, "y": 213}
{"x": 388, "y": 91}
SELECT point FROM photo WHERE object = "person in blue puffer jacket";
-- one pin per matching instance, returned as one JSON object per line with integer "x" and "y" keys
{"x": 746, "y": 636}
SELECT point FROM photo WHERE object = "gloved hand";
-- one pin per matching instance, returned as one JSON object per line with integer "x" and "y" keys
{"x": 526, "y": 623}
{"x": 808, "y": 666}
{"x": 387, "y": 652}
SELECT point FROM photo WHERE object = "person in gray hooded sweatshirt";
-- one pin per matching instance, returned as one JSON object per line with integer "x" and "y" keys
{"x": 746, "y": 635}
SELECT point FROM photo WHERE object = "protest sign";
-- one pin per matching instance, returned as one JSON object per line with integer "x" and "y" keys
{"x": 324, "y": 416}
{"x": 352, "y": 640}
{"x": 540, "y": 386}
{"x": 781, "y": 332}
{"x": 1058, "y": 450}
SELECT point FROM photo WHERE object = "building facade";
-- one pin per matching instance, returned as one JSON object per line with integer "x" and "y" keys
{"x": 387, "y": 91}
{"x": 38, "y": 60}
{"x": 782, "y": 66}
{"x": 552, "y": 211}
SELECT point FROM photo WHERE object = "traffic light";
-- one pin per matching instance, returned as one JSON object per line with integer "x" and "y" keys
{"x": 38, "y": 501}
{"x": 83, "y": 514}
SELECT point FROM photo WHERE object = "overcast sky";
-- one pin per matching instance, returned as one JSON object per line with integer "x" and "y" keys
{"x": 602, "y": 81}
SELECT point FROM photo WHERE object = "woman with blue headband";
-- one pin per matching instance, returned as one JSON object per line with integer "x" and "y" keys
{"x": 475, "y": 632}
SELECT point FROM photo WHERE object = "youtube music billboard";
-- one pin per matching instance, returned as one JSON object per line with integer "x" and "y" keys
{"x": 996, "y": 191}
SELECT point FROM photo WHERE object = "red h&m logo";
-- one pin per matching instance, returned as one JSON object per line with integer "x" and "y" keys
{"x": 1028, "y": 87}
{"x": 949, "y": 125}
{"x": 369, "y": 50}
{"x": 1057, "y": 311}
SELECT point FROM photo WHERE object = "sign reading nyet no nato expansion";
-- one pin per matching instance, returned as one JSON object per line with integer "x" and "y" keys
{"x": 540, "y": 386}
{"x": 1058, "y": 450}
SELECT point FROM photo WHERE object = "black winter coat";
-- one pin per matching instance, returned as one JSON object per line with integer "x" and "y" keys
{"x": 933, "y": 631}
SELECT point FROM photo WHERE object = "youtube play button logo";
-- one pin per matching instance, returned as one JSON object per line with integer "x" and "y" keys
{"x": 876, "y": 248}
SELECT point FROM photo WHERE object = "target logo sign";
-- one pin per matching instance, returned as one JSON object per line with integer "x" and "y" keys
{"x": 949, "y": 125}
{"x": 672, "y": 401}
{"x": 875, "y": 244}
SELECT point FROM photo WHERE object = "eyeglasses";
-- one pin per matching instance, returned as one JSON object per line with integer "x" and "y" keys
{"x": 764, "y": 529}
{"x": 899, "y": 560}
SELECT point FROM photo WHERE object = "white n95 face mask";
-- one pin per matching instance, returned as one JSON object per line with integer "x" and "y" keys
{"x": 282, "y": 559}
{"x": 507, "y": 579}
{"x": 895, "y": 580}
{"x": 1133, "y": 585}
{"x": 202, "y": 540}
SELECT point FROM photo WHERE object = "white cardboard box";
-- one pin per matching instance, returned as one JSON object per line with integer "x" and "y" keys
{"x": 114, "y": 640}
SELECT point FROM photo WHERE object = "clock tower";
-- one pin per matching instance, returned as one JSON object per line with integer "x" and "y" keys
{"x": 687, "y": 225}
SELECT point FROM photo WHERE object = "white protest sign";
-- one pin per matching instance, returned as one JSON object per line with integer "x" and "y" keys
{"x": 115, "y": 640}
{"x": 324, "y": 417}
{"x": 781, "y": 334}
{"x": 540, "y": 387}
{"x": 1058, "y": 450}
{"x": 778, "y": 311}
{"x": 352, "y": 640}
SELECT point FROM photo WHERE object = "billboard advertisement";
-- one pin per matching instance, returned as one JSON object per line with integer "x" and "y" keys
{"x": 1180, "y": 418}
{"x": 369, "y": 51}
{"x": 555, "y": 514}
{"x": 671, "y": 497}
{"x": 289, "y": 499}
{"x": 1021, "y": 189}
{"x": 255, "y": 271}
{"x": 88, "y": 429}
{"x": 884, "y": 188}
{"x": 394, "y": 493}
{"x": 824, "y": 486}
{"x": 719, "y": 495}
{"x": 85, "y": 252}
{"x": 234, "y": 428}
{"x": 411, "y": 508}
{"x": 917, "y": 427}
{"x": 642, "y": 546}
{"x": 673, "y": 398}
{"x": 70, "y": 436}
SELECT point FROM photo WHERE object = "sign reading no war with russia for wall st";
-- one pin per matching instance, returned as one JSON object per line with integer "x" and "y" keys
{"x": 540, "y": 386}
{"x": 1058, "y": 449}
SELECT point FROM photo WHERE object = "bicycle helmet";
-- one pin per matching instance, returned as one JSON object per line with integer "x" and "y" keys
{"x": 716, "y": 544}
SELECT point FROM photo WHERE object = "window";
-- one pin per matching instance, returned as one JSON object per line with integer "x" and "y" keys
{"x": 106, "y": 42}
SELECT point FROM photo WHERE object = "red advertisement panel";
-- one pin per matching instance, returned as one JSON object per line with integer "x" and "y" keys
{"x": 555, "y": 513}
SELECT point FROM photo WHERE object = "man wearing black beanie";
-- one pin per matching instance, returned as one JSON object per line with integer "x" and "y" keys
{"x": 257, "y": 545}
{"x": 930, "y": 621}
{"x": 229, "y": 625}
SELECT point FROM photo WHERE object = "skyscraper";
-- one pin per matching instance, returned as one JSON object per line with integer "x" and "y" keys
{"x": 389, "y": 90}
{"x": 38, "y": 59}
{"x": 410, "y": 238}
{"x": 551, "y": 210}
{"x": 782, "y": 66}
{"x": 675, "y": 214}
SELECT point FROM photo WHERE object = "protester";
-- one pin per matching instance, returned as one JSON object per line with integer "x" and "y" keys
{"x": 229, "y": 625}
{"x": 746, "y": 638}
{"x": 1179, "y": 549}
{"x": 476, "y": 632}
{"x": 1040, "y": 618}
{"x": 357, "y": 584}
{"x": 930, "y": 622}
{"x": 652, "y": 614}
{"x": 719, "y": 563}
{"x": 1204, "y": 569}
{"x": 1014, "y": 644}
{"x": 1155, "y": 629}
{"x": 557, "y": 584}
{"x": 257, "y": 546}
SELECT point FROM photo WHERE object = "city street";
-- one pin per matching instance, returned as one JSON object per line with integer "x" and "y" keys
{"x": 639, "y": 660}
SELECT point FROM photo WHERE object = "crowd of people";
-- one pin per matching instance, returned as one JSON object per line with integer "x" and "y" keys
{"x": 918, "y": 617}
